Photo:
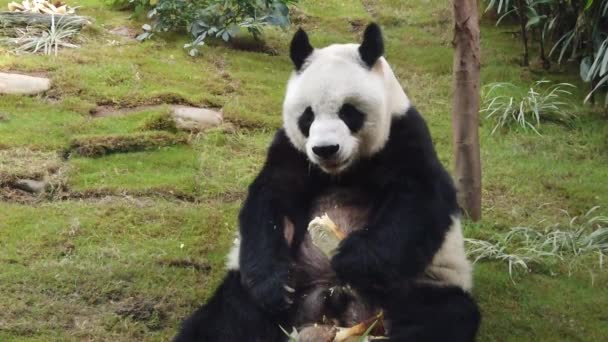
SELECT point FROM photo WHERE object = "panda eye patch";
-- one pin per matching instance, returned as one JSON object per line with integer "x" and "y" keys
{"x": 352, "y": 117}
{"x": 305, "y": 121}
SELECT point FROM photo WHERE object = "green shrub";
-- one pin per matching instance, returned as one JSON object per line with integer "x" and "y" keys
{"x": 508, "y": 105}
{"x": 221, "y": 19}
{"x": 575, "y": 244}
{"x": 577, "y": 29}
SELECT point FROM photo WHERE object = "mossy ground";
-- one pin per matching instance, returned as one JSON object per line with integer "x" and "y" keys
{"x": 139, "y": 240}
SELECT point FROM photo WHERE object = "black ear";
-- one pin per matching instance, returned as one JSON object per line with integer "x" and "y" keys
{"x": 372, "y": 46}
{"x": 300, "y": 48}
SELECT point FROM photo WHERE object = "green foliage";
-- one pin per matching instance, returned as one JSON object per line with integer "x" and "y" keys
{"x": 572, "y": 243}
{"x": 34, "y": 39}
{"x": 508, "y": 104}
{"x": 578, "y": 30}
{"x": 221, "y": 19}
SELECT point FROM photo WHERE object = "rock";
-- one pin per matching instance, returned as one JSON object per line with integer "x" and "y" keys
{"x": 30, "y": 185}
{"x": 126, "y": 32}
{"x": 23, "y": 84}
{"x": 194, "y": 118}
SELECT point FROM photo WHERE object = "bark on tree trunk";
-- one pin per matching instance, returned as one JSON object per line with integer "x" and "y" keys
{"x": 465, "y": 107}
{"x": 524, "y": 33}
{"x": 544, "y": 59}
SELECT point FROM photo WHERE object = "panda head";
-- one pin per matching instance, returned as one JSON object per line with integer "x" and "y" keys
{"x": 340, "y": 100}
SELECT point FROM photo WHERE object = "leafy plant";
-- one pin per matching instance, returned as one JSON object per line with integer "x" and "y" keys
{"x": 530, "y": 16}
{"x": 595, "y": 69}
{"x": 293, "y": 336}
{"x": 46, "y": 40}
{"x": 578, "y": 30}
{"x": 571, "y": 244}
{"x": 508, "y": 104}
{"x": 221, "y": 19}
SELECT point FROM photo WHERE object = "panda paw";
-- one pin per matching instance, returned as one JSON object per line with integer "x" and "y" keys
{"x": 347, "y": 266}
{"x": 354, "y": 264}
{"x": 274, "y": 294}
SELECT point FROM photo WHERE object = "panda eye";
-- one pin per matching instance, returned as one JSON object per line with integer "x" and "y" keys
{"x": 305, "y": 121}
{"x": 352, "y": 117}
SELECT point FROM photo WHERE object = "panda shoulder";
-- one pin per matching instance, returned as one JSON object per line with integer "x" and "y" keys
{"x": 281, "y": 146}
{"x": 410, "y": 127}
{"x": 282, "y": 153}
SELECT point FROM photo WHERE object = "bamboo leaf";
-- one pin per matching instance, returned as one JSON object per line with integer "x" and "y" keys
{"x": 585, "y": 67}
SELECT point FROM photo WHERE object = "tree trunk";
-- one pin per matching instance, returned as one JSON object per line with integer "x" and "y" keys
{"x": 524, "y": 33}
{"x": 543, "y": 57}
{"x": 465, "y": 111}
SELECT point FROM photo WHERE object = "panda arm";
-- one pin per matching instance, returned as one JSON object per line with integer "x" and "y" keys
{"x": 398, "y": 243}
{"x": 277, "y": 192}
{"x": 414, "y": 199}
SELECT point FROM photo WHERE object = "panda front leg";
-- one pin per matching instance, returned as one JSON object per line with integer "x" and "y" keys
{"x": 404, "y": 233}
{"x": 231, "y": 315}
{"x": 427, "y": 312}
{"x": 281, "y": 190}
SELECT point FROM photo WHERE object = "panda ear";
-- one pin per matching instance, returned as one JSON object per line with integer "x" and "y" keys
{"x": 300, "y": 48}
{"x": 372, "y": 46}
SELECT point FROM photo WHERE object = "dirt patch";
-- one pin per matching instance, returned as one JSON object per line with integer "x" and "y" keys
{"x": 143, "y": 310}
{"x": 125, "y": 32}
{"x": 110, "y": 111}
{"x": 298, "y": 17}
{"x": 186, "y": 263}
{"x": 230, "y": 196}
{"x": 100, "y": 145}
{"x": 24, "y": 164}
{"x": 3, "y": 117}
{"x": 357, "y": 25}
{"x": 252, "y": 45}
{"x": 110, "y": 195}
{"x": 10, "y": 194}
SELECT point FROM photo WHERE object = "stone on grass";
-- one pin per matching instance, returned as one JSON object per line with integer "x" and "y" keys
{"x": 194, "y": 118}
{"x": 23, "y": 84}
{"x": 126, "y": 32}
{"x": 30, "y": 185}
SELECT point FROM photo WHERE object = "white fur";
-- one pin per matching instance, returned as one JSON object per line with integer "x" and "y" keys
{"x": 332, "y": 76}
{"x": 450, "y": 265}
{"x": 232, "y": 261}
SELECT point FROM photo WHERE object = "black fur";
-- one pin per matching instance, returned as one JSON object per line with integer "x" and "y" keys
{"x": 411, "y": 198}
{"x": 300, "y": 49}
{"x": 306, "y": 120}
{"x": 372, "y": 46}
{"x": 230, "y": 316}
{"x": 431, "y": 313}
{"x": 352, "y": 117}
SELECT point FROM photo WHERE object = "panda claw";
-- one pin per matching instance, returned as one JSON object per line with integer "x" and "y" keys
{"x": 289, "y": 289}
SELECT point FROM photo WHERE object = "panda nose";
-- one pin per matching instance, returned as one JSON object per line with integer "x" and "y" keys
{"x": 326, "y": 151}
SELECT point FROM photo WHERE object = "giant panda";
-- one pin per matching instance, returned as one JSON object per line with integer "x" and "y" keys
{"x": 352, "y": 146}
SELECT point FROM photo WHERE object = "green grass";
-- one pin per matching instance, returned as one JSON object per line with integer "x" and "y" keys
{"x": 96, "y": 265}
{"x": 168, "y": 169}
{"x": 72, "y": 275}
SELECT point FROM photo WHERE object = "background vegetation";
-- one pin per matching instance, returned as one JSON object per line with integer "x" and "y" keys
{"x": 576, "y": 31}
{"x": 122, "y": 246}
